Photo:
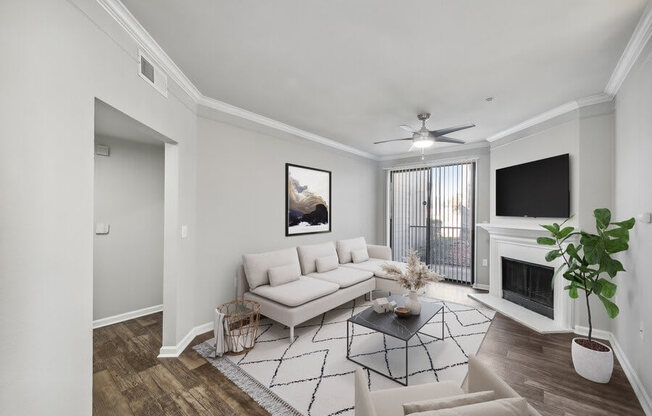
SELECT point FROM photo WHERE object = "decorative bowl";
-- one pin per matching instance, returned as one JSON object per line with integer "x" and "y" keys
{"x": 402, "y": 312}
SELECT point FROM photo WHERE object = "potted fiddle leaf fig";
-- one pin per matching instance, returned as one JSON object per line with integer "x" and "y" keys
{"x": 588, "y": 267}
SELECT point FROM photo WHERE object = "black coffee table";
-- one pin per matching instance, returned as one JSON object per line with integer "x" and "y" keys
{"x": 393, "y": 326}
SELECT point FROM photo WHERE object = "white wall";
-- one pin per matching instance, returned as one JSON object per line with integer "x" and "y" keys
{"x": 482, "y": 189}
{"x": 128, "y": 262}
{"x": 57, "y": 56}
{"x": 632, "y": 196}
{"x": 241, "y": 201}
{"x": 587, "y": 135}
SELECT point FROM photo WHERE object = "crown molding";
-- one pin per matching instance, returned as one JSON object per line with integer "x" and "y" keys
{"x": 633, "y": 50}
{"x": 552, "y": 113}
{"x": 275, "y": 124}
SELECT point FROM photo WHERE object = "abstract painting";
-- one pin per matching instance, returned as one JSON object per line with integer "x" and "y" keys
{"x": 308, "y": 200}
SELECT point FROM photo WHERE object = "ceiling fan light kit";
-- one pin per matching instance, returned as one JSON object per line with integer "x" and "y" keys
{"x": 424, "y": 138}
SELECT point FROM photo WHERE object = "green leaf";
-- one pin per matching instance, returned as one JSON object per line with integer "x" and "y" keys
{"x": 618, "y": 233}
{"x": 608, "y": 288}
{"x": 615, "y": 246}
{"x": 553, "y": 254}
{"x": 595, "y": 286}
{"x": 627, "y": 224}
{"x": 602, "y": 218}
{"x": 573, "y": 251}
{"x": 551, "y": 228}
{"x": 611, "y": 266}
{"x": 565, "y": 232}
{"x": 594, "y": 248}
{"x": 612, "y": 309}
{"x": 572, "y": 291}
{"x": 546, "y": 241}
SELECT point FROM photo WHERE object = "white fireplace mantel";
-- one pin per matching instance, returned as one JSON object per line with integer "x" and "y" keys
{"x": 520, "y": 242}
{"x": 510, "y": 230}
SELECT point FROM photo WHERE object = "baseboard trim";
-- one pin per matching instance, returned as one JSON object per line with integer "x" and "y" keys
{"x": 176, "y": 350}
{"x": 99, "y": 323}
{"x": 642, "y": 395}
{"x": 480, "y": 286}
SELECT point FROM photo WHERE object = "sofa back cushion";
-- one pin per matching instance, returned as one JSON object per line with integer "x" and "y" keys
{"x": 310, "y": 253}
{"x": 257, "y": 266}
{"x": 345, "y": 247}
{"x": 326, "y": 264}
{"x": 284, "y": 274}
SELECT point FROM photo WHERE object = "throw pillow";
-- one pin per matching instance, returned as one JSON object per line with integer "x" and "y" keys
{"x": 344, "y": 248}
{"x": 360, "y": 255}
{"x": 447, "y": 402}
{"x": 326, "y": 264}
{"x": 284, "y": 274}
{"x": 516, "y": 406}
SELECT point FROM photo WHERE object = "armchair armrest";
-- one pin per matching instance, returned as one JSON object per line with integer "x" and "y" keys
{"x": 379, "y": 252}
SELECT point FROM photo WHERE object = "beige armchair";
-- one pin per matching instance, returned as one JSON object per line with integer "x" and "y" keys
{"x": 390, "y": 402}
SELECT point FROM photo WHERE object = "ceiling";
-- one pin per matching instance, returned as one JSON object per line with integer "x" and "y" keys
{"x": 113, "y": 123}
{"x": 353, "y": 71}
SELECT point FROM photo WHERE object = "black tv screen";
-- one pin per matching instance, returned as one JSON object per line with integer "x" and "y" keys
{"x": 535, "y": 189}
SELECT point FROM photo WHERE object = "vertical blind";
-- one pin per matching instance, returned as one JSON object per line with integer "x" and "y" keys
{"x": 433, "y": 213}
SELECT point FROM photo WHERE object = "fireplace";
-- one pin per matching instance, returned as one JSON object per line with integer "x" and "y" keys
{"x": 528, "y": 285}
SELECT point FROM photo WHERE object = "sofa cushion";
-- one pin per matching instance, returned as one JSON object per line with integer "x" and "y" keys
{"x": 343, "y": 276}
{"x": 360, "y": 255}
{"x": 516, "y": 406}
{"x": 373, "y": 265}
{"x": 447, "y": 402}
{"x": 310, "y": 253}
{"x": 345, "y": 247}
{"x": 298, "y": 292}
{"x": 256, "y": 266}
{"x": 325, "y": 264}
{"x": 284, "y": 274}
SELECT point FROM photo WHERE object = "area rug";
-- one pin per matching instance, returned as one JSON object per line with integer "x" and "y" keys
{"x": 312, "y": 375}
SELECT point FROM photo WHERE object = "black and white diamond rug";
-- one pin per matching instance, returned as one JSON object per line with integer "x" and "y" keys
{"x": 313, "y": 377}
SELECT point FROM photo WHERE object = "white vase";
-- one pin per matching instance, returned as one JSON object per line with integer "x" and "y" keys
{"x": 412, "y": 303}
{"x": 593, "y": 365}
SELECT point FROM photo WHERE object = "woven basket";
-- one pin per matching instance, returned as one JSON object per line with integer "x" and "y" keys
{"x": 241, "y": 319}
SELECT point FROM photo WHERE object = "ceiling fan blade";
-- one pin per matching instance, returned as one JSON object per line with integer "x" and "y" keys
{"x": 448, "y": 140}
{"x": 407, "y": 128}
{"x": 442, "y": 132}
{"x": 392, "y": 140}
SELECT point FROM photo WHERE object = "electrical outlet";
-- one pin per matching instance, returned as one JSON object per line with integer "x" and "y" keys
{"x": 485, "y": 262}
{"x": 641, "y": 330}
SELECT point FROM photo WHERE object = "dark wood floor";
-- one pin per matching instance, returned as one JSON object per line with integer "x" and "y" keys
{"x": 128, "y": 379}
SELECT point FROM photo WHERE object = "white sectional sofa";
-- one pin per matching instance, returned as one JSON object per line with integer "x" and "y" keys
{"x": 296, "y": 284}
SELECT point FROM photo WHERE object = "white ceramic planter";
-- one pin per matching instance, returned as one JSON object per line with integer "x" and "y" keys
{"x": 593, "y": 365}
{"x": 412, "y": 303}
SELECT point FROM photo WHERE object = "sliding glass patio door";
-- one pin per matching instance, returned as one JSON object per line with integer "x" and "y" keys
{"x": 432, "y": 211}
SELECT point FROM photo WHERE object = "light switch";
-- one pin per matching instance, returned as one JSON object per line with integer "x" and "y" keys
{"x": 184, "y": 231}
{"x": 101, "y": 228}
{"x": 485, "y": 262}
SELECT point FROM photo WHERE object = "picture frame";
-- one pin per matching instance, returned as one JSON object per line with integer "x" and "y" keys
{"x": 308, "y": 201}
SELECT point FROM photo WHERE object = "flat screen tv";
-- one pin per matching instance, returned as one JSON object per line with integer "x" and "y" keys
{"x": 535, "y": 189}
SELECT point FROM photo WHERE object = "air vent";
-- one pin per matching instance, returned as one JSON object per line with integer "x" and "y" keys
{"x": 152, "y": 74}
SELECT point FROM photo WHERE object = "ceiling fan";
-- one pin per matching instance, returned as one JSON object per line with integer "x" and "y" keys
{"x": 424, "y": 138}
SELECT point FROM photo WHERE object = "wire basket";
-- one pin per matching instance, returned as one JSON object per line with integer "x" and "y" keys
{"x": 241, "y": 320}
